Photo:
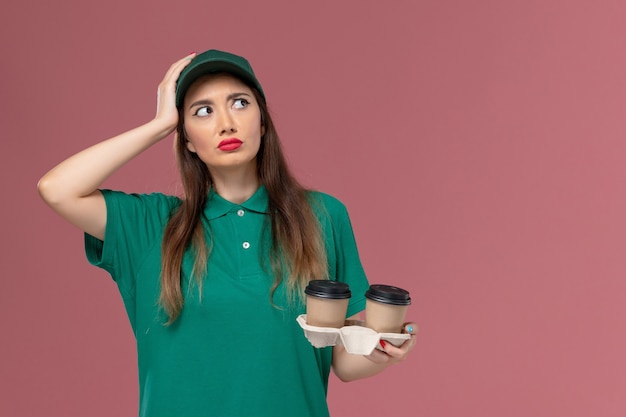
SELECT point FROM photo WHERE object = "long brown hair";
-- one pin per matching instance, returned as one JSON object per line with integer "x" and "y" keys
{"x": 297, "y": 252}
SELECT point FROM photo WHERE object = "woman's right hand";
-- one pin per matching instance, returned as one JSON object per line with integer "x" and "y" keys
{"x": 167, "y": 112}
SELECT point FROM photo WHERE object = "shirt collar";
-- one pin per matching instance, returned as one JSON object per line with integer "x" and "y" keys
{"x": 216, "y": 206}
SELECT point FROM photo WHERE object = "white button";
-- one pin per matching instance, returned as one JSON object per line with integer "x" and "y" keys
{"x": 240, "y": 212}
{"x": 246, "y": 245}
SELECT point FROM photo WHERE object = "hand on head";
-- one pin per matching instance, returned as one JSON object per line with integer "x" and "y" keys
{"x": 166, "y": 95}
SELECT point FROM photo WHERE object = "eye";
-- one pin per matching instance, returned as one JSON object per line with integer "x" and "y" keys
{"x": 203, "y": 111}
{"x": 241, "y": 103}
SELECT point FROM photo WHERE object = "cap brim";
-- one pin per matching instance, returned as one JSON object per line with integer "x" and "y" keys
{"x": 191, "y": 74}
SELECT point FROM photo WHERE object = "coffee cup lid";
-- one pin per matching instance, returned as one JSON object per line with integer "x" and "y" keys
{"x": 388, "y": 294}
{"x": 328, "y": 289}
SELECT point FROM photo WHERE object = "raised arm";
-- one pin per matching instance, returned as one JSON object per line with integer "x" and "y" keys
{"x": 71, "y": 188}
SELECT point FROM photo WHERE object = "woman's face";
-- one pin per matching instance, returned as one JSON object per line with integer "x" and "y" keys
{"x": 223, "y": 123}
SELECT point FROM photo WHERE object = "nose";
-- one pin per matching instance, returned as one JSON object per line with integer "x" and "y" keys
{"x": 226, "y": 123}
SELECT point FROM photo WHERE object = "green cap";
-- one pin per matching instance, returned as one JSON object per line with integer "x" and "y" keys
{"x": 214, "y": 61}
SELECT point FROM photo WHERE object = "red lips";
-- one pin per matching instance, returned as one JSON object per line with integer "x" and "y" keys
{"x": 229, "y": 144}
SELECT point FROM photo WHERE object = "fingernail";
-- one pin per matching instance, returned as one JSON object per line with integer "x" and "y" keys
{"x": 410, "y": 329}
{"x": 382, "y": 344}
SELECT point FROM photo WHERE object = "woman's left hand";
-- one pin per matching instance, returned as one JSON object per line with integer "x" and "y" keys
{"x": 392, "y": 354}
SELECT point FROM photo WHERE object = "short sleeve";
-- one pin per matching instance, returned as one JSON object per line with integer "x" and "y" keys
{"x": 341, "y": 249}
{"x": 135, "y": 224}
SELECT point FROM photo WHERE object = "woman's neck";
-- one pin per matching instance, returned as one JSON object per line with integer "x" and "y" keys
{"x": 235, "y": 186}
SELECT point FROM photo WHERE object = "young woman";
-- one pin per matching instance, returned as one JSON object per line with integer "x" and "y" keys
{"x": 212, "y": 282}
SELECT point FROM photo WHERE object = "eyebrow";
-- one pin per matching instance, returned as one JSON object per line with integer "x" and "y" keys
{"x": 209, "y": 102}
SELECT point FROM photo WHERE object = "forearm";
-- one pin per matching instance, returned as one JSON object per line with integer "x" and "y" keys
{"x": 349, "y": 367}
{"x": 81, "y": 174}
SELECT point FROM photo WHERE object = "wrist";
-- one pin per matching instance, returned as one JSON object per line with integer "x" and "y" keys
{"x": 161, "y": 128}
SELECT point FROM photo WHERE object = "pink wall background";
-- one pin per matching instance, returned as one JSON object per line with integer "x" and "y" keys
{"x": 478, "y": 145}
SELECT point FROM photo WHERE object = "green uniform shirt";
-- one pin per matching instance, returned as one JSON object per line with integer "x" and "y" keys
{"x": 230, "y": 353}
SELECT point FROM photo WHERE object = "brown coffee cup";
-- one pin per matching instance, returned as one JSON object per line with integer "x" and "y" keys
{"x": 327, "y": 303}
{"x": 385, "y": 308}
